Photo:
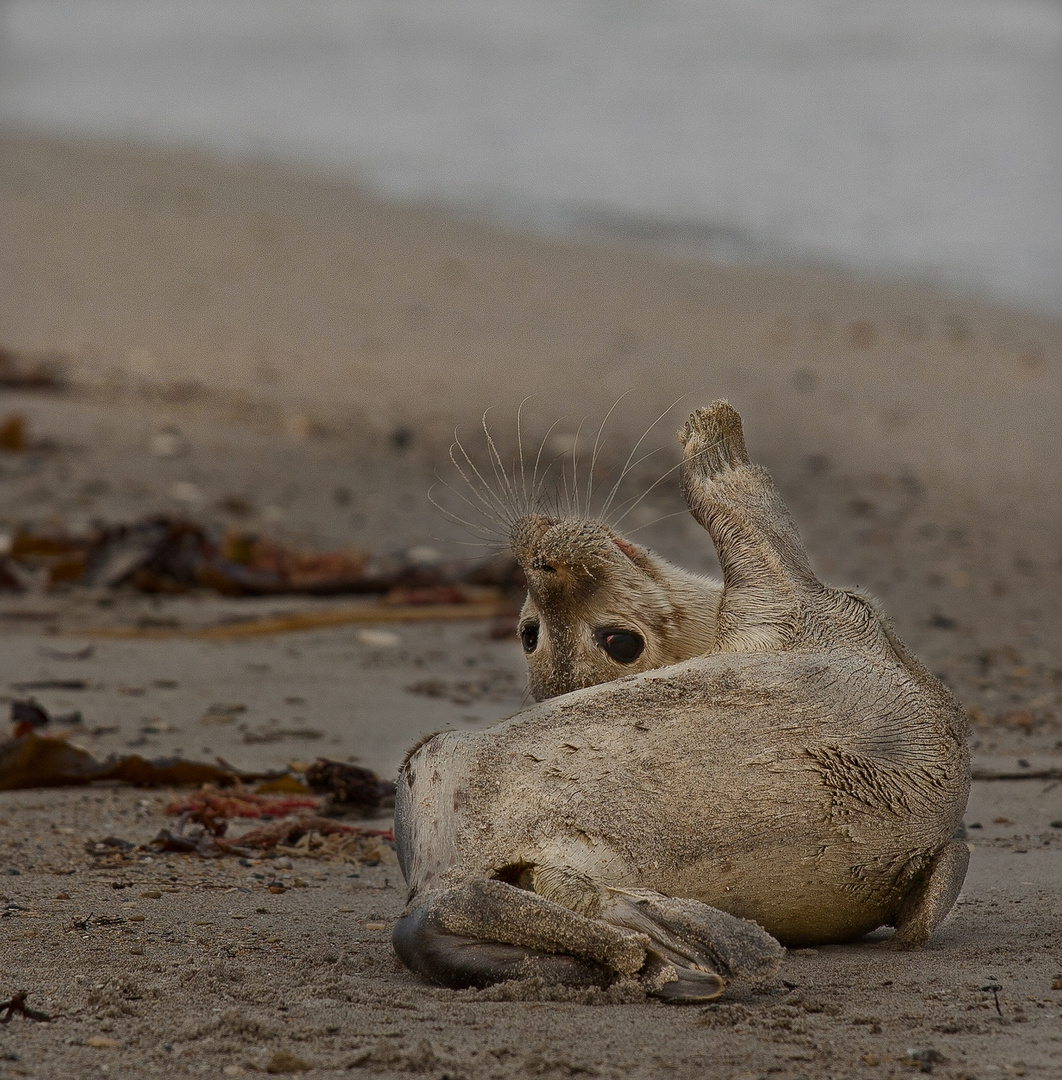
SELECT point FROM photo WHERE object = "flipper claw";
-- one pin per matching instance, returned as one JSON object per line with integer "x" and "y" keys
{"x": 695, "y": 938}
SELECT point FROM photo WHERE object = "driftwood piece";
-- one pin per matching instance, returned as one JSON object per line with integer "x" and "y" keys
{"x": 1021, "y": 774}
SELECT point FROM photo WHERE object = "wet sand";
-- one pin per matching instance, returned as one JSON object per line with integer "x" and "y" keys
{"x": 309, "y": 350}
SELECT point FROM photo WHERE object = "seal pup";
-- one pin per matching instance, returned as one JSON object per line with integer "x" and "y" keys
{"x": 798, "y": 781}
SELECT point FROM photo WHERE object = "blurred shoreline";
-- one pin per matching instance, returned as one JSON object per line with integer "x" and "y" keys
{"x": 914, "y": 142}
{"x": 178, "y": 274}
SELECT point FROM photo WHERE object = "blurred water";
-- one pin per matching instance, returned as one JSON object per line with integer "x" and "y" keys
{"x": 918, "y": 138}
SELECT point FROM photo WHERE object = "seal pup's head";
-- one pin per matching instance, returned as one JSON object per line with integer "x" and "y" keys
{"x": 599, "y": 607}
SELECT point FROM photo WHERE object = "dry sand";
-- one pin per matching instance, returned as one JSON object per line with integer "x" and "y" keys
{"x": 304, "y": 352}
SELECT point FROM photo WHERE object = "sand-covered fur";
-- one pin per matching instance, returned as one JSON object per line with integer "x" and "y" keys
{"x": 803, "y": 771}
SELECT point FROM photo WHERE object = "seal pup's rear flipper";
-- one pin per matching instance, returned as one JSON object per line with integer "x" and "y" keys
{"x": 489, "y": 931}
{"x": 689, "y": 934}
{"x": 933, "y": 896}
{"x": 694, "y": 949}
{"x": 425, "y": 946}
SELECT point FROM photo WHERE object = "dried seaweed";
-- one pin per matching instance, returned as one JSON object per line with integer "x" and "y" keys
{"x": 210, "y": 804}
{"x": 304, "y": 834}
{"x": 36, "y": 761}
{"x": 350, "y": 787}
{"x": 173, "y": 555}
{"x": 16, "y": 1005}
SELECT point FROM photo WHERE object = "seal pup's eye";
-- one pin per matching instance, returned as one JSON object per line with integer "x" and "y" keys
{"x": 623, "y": 646}
{"x": 529, "y": 636}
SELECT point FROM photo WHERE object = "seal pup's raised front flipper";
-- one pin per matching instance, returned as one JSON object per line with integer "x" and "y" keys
{"x": 767, "y": 579}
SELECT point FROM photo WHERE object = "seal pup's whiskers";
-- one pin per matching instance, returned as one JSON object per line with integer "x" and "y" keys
{"x": 597, "y": 447}
{"x": 627, "y": 465}
{"x": 655, "y": 521}
{"x": 475, "y": 527}
{"x": 634, "y": 501}
{"x": 499, "y": 495}
{"x": 500, "y": 475}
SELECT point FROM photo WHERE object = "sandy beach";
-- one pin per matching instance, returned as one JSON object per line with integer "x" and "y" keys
{"x": 257, "y": 347}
